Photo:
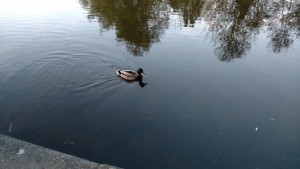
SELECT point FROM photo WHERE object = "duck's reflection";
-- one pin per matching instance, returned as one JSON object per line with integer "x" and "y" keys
{"x": 141, "y": 83}
{"x": 139, "y": 80}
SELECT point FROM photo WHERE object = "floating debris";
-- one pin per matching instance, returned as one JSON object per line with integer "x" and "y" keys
{"x": 21, "y": 151}
{"x": 214, "y": 160}
{"x": 10, "y": 127}
{"x": 272, "y": 119}
{"x": 69, "y": 142}
{"x": 256, "y": 129}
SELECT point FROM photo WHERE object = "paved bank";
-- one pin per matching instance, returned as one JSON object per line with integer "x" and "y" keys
{"x": 17, "y": 154}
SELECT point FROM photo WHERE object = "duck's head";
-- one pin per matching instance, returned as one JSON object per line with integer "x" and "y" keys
{"x": 140, "y": 71}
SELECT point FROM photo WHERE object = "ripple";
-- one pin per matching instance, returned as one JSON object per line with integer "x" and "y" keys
{"x": 75, "y": 72}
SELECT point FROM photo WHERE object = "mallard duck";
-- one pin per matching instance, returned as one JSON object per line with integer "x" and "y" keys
{"x": 131, "y": 75}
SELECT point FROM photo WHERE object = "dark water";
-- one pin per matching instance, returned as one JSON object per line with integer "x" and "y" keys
{"x": 223, "y": 81}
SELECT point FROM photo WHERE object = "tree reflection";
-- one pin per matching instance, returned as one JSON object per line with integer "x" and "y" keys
{"x": 138, "y": 24}
{"x": 284, "y": 25}
{"x": 233, "y": 25}
{"x": 190, "y": 10}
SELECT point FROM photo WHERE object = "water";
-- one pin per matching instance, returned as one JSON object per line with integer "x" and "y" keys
{"x": 222, "y": 81}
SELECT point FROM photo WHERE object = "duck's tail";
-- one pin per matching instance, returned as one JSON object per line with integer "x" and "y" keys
{"x": 118, "y": 72}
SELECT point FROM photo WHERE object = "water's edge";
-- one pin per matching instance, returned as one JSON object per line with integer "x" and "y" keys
{"x": 15, "y": 153}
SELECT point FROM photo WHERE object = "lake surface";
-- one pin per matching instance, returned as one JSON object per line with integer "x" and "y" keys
{"x": 223, "y": 81}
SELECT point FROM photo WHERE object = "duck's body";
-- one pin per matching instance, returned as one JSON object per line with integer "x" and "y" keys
{"x": 130, "y": 75}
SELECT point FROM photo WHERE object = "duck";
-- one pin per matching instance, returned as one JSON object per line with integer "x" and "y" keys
{"x": 131, "y": 75}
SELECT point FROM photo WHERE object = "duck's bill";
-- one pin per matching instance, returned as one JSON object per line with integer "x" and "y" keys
{"x": 143, "y": 74}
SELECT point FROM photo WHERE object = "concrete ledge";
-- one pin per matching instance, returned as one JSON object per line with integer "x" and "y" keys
{"x": 17, "y": 154}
